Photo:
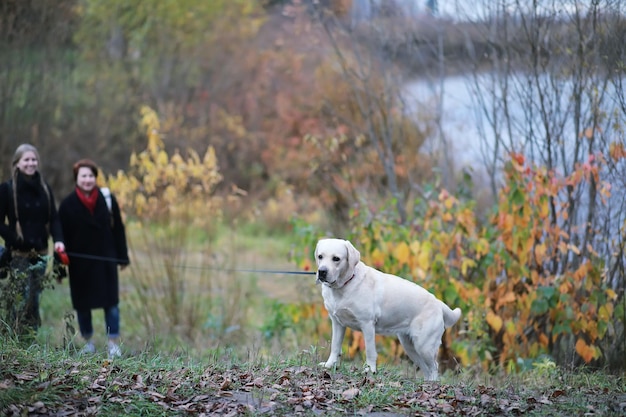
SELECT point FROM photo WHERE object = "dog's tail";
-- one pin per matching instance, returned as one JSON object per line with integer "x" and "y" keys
{"x": 450, "y": 316}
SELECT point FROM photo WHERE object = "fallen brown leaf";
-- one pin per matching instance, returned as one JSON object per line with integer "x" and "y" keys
{"x": 350, "y": 394}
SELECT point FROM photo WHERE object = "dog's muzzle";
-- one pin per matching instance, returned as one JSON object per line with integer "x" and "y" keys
{"x": 322, "y": 274}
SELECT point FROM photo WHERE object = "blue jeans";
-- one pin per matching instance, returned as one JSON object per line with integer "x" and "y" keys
{"x": 111, "y": 319}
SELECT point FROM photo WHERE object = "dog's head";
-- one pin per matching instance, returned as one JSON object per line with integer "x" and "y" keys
{"x": 336, "y": 260}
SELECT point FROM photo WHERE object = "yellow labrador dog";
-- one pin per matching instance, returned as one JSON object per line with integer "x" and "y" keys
{"x": 365, "y": 299}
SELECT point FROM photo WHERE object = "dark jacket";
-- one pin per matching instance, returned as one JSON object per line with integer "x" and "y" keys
{"x": 93, "y": 282}
{"x": 37, "y": 213}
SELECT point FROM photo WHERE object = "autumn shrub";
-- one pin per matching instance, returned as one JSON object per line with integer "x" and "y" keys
{"x": 301, "y": 128}
{"x": 171, "y": 212}
{"x": 525, "y": 286}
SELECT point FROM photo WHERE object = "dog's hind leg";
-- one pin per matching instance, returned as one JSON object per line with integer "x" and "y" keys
{"x": 425, "y": 358}
{"x": 422, "y": 344}
{"x": 416, "y": 358}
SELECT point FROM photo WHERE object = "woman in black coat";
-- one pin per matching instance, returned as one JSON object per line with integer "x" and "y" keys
{"x": 27, "y": 204}
{"x": 95, "y": 241}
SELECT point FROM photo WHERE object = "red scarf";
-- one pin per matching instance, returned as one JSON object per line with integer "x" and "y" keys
{"x": 88, "y": 200}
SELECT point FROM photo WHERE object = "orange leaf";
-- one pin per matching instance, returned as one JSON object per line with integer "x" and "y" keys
{"x": 509, "y": 297}
{"x": 617, "y": 151}
{"x": 584, "y": 350}
{"x": 565, "y": 287}
{"x": 518, "y": 157}
{"x": 355, "y": 346}
{"x": 540, "y": 252}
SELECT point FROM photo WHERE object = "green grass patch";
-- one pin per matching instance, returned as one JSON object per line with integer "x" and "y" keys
{"x": 43, "y": 379}
{"x": 198, "y": 297}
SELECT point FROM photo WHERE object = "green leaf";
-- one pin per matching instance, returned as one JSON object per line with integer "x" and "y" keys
{"x": 562, "y": 328}
{"x": 539, "y": 306}
{"x": 517, "y": 197}
{"x": 450, "y": 294}
{"x": 546, "y": 292}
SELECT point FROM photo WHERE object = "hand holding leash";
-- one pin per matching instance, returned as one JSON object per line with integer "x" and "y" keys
{"x": 61, "y": 256}
{"x": 61, "y": 260}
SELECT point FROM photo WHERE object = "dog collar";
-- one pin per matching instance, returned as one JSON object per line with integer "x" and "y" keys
{"x": 346, "y": 283}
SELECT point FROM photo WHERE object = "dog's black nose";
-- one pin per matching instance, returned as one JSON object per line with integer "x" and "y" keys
{"x": 321, "y": 274}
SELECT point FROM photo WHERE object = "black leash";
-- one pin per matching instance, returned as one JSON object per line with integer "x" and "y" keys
{"x": 258, "y": 271}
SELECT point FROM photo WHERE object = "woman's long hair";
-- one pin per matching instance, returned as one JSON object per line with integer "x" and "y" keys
{"x": 19, "y": 152}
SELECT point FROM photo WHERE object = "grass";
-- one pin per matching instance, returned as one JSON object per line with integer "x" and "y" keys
{"x": 43, "y": 379}
{"x": 213, "y": 295}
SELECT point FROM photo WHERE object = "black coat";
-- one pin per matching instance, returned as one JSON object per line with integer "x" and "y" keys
{"x": 37, "y": 212}
{"x": 93, "y": 282}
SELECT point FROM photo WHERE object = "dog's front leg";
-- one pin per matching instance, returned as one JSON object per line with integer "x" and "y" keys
{"x": 369, "y": 336}
{"x": 338, "y": 332}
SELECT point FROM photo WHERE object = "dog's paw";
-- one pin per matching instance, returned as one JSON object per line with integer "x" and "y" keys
{"x": 328, "y": 364}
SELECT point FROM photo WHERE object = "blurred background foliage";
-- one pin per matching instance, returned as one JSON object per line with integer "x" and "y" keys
{"x": 256, "y": 81}
{"x": 287, "y": 120}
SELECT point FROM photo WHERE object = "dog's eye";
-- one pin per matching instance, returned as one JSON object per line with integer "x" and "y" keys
{"x": 319, "y": 256}
{"x": 336, "y": 258}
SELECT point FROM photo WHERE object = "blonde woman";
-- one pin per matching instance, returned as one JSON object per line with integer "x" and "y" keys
{"x": 28, "y": 218}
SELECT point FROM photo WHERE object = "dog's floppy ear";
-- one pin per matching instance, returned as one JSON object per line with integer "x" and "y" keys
{"x": 354, "y": 256}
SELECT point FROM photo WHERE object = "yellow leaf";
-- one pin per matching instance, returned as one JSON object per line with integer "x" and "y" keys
{"x": 540, "y": 252}
{"x": 512, "y": 330}
{"x": 467, "y": 263}
{"x": 605, "y": 312}
{"x": 378, "y": 258}
{"x": 494, "y": 321}
{"x": 463, "y": 356}
{"x": 162, "y": 158}
{"x": 611, "y": 294}
{"x": 423, "y": 258}
{"x": 482, "y": 247}
{"x": 533, "y": 349}
{"x": 415, "y": 247}
{"x": 448, "y": 202}
{"x": 402, "y": 253}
